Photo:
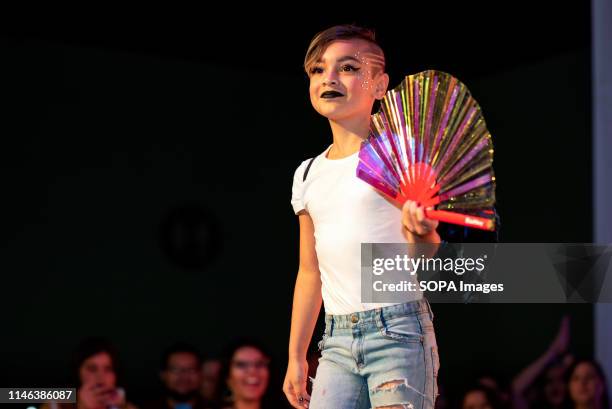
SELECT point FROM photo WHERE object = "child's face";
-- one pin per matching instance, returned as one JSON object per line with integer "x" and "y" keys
{"x": 346, "y": 80}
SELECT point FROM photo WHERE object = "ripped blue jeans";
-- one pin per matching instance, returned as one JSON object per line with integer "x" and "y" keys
{"x": 384, "y": 357}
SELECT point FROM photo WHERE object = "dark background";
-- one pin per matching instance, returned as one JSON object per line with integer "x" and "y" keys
{"x": 125, "y": 137}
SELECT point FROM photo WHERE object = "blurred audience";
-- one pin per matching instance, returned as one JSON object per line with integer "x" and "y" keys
{"x": 495, "y": 384}
{"x": 95, "y": 376}
{"x": 181, "y": 376}
{"x": 541, "y": 384}
{"x": 481, "y": 397}
{"x": 210, "y": 378}
{"x": 586, "y": 384}
{"x": 245, "y": 376}
{"x": 244, "y": 379}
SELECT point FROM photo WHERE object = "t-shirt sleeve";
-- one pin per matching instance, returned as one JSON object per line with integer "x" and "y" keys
{"x": 297, "y": 191}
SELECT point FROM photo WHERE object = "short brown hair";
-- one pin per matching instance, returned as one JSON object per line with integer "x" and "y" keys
{"x": 321, "y": 40}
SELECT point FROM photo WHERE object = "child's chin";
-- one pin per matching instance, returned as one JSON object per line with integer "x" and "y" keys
{"x": 332, "y": 114}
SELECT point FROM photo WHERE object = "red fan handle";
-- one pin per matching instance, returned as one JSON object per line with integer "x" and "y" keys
{"x": 461, "y": 219}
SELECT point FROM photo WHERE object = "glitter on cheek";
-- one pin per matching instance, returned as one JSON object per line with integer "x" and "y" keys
{"x": 363, "y": 77}
{"x": 366, "y": 83}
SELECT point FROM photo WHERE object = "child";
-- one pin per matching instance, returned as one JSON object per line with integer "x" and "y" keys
{"x": 373, "y": 355}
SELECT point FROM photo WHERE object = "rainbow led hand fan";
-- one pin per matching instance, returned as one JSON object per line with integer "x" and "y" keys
{"x": 429, "y": 143}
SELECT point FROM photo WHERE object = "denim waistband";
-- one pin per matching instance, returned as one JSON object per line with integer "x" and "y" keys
{"x": 375, "y": 315}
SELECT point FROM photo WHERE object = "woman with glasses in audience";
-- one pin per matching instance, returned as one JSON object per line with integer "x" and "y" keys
{"x": 245, "y": 376}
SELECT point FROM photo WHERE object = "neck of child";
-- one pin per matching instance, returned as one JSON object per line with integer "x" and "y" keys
{"x": 348, "y": 135}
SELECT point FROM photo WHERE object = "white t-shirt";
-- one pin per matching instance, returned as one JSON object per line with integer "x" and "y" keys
{"x": 346, "y": 211}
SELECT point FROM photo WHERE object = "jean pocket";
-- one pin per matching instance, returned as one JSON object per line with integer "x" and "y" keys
{"x": 403, "y": 329}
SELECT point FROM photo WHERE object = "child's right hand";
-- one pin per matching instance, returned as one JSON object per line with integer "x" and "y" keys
{"x": 415, "y": 221}
{"x": 294, "y": 385}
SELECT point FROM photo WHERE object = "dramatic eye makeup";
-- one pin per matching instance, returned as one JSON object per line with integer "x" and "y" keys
{"x": 318, "y": 68}
{"x": 315, "y": 70}
{"x": 348, "y": 67}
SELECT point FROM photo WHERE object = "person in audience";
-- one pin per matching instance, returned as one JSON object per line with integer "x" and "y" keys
{"x": 210, "y": 378}
{"x": 95, "y": 376}
{"x": 181, "y": 376}
{"x": 541, "y": 384}
{"x": 586, "y": 385}
{"x": 245, "y": 376}
{"x": 480, "y": 397}
{"x": 497, "y": 384}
